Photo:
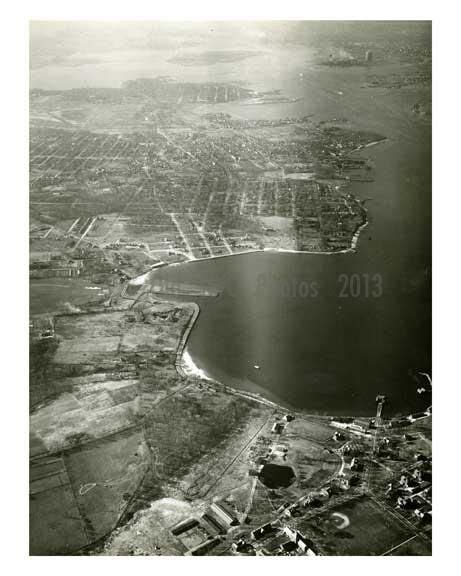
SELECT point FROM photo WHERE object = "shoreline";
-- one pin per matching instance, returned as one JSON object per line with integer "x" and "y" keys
{"x": 184, "y": 363}
{"x": 186, "y": 367}
{"x": 369, "y": 145}
{"x": 141, "y": 278}
{"x": 350, "y": 250}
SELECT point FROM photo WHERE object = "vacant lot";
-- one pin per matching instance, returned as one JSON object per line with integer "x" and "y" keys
{"x": 149, "y": 531}
{"x": 87, "y": 338}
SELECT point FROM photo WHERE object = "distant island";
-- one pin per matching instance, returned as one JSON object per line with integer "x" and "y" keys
{"x": 212, "y": 57}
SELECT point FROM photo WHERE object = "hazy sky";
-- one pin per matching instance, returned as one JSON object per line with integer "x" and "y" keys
{"x": 76, "y": 54}
{"x": 60, "y": 39}
{"x": 50, "y": 40}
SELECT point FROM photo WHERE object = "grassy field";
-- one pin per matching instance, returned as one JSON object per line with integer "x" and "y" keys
{"x": 78, "y": 498}
{"x": 90, "y": 411}
{"x": 104, "y": 476}
{"x": 416, "y": 546}
{"x": 42, "y": 381}
{"x": 56, "y": 526}
{"x": 370, "y": 530}
{"x": 110, "y": 348}
{"x": 52, "y": 295}
{"x": 193, "y": 436}
{"x": 87, "y": 403}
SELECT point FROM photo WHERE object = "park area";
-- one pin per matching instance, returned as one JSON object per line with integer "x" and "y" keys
{"x": 360, "y": 527}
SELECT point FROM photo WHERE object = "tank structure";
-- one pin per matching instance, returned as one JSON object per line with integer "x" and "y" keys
{"x": 380, "y": 400}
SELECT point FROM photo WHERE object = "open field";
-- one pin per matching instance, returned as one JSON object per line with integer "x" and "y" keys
{"x": 414, "y": 546}
{"x": 149, "y": 532}
{"x": 104, "y": 475}
{"x": 79, "y": 497}
{"x": 56, "y": 526}
{"x": 370, "y": 530}
{"x": 59, "y": 295}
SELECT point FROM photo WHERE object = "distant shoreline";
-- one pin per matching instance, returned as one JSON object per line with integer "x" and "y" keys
{"x": 352, "y": 249}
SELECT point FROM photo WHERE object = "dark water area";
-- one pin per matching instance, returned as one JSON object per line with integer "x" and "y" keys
{"x": 275, "y": 476}
{"x": 329, "y": 332}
